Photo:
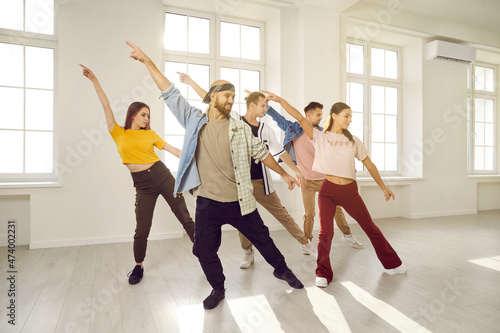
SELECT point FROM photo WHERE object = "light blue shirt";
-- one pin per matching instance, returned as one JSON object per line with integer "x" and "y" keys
{"x": 242, "y": 143}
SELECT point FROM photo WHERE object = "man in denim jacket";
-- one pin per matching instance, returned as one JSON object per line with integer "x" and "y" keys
{"x": 215, "y": 163}
{"x": 303, "y": 155}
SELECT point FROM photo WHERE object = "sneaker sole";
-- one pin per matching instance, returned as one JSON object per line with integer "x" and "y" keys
{"x": 214, "y": 306}
{"x": 356, "y": 246}
{"x": 246, "y": 267}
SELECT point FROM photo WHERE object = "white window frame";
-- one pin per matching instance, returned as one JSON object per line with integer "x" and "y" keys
{"x": 472, "y": 94}
{"x": 241, "y": 61}
{"x": 32, "y": 39}
{"x": 211, "y": 54}
{"x": 368, "y": 80}
{"x": 213, "y": 59}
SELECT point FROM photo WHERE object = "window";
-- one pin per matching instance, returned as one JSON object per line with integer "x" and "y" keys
{"x": 373, "y": 92}
{"x": 239, "y": 41}
{"x": 34, "y": 16}
{"x": 191, "y": 33}
{"x": 242, "y": 80}
{"x": 481, "y": 119}
{"x": 27, "y": 91}
{"x": 235, "y": 55}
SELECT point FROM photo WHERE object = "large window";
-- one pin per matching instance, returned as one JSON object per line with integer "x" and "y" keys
{"x": 373, "y": 92}
{"x": 27, "y": 58}
{"x": 482, "y": 119}
{"x": 235, "y": 55}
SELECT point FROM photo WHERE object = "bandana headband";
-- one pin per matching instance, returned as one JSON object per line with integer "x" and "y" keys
{"x": 217, "y": 88}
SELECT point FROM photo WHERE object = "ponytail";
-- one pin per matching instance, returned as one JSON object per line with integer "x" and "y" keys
{"x": 348, "y": 134}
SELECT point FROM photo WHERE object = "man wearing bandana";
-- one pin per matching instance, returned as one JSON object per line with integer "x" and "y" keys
{"x": 215, "y": 164}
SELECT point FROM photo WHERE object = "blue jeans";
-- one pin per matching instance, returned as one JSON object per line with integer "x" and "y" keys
{"x": 211, "y": 215}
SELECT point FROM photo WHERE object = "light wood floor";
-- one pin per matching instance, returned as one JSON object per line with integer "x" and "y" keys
{"x": 85, "y": 289}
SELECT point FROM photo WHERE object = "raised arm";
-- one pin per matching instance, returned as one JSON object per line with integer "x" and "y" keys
{"x": 306, "y": 126}
{"x": 372, "y": 168}
{"x": 161, "y": 81}
{"x": 281, "y": 121}
{"x": 108, "y": 113}
{"x": 185, "y": 78}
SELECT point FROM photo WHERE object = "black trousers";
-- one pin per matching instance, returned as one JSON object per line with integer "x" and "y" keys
{"x": 149, "y": 184}
{"x": 210, "y": 216}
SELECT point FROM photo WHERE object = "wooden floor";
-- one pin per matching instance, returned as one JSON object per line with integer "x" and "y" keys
{"x": 85, "y": 289}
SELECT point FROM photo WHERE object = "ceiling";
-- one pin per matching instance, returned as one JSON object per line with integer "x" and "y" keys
{"x": 482, "y": 14}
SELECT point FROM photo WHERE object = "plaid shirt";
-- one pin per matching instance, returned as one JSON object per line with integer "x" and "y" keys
{"x": 242, "y": 143}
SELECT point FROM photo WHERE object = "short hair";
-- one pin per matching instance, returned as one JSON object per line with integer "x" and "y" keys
{"x": 313, "y": 105}
{"x": 253, "y": 97}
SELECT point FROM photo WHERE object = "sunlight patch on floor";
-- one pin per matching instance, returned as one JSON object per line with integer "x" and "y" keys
{"x": 490, "y": 262}
{"x": 384, "y": 310}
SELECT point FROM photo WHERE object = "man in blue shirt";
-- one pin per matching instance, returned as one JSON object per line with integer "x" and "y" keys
{"x": 215, "y": 163}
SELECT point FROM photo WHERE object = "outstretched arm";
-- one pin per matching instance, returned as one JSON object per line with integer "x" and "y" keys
{"x": 161, "y": 81}
{"x": 288, "y": 161}
{"x": 308, "y": 128}
{"x": 372, "y": 168}
{"x": 172, "y": 150}
{"x": 185, "y": 78}
{"x": 271, "y": 163}
{"x": 108, "y": 113}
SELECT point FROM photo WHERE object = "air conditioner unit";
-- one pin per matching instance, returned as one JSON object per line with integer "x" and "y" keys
{"x": 440, "y": 50}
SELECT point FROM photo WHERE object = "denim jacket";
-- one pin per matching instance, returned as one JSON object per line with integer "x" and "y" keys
{"x": 241, "y": 140}
{"x": 292, "y": 130}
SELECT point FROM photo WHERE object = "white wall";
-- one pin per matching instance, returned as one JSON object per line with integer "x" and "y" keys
{"x": 95, "y": 202}
{"x": 15, "y": 208}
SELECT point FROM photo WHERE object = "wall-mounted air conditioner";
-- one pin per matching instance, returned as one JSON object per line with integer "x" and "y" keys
{"x": 440, "y": 50}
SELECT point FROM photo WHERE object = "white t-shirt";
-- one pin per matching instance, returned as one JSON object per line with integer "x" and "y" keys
{"x": 335, "y": 154}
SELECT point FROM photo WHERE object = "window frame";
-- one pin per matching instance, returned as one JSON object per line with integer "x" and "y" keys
{"x": 189, "y": 13}
{"x": 367, "y": 79}
{"x": 39, "y": 40}
{"x": 472, "y": 94}
{"x": 214, "y": 60}
{"x": 260, "y": 25}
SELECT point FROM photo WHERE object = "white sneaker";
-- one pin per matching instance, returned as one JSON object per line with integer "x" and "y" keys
{"x": 309, "y": 249}
{"x": 354, "y": 242}
{"x": 321, "y": 282}
{"x": 247, "y": 259}
{"x": 401, "y": 269}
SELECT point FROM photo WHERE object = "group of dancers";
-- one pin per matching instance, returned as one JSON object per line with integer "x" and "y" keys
{"x": 225, "y": 162}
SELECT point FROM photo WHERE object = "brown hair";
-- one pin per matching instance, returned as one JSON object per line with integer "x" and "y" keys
{"x": 253, "y": 97}
{"x": 337, "y": 108}
{"x": 313, "y": 105}
{"x": 132, "y": 111}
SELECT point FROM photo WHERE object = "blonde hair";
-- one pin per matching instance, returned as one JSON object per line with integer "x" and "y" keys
{"x": 253, "y": 97}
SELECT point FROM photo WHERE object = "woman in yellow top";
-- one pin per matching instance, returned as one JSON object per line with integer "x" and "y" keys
{"x": 135, "y": 143}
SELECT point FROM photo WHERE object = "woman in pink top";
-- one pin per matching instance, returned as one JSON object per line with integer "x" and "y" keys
{"x": 336, "y": 149}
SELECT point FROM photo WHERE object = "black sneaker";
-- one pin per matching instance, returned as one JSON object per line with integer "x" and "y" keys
{"x": 135, "y": 275}
{"x": 290, "y": 278}
{"x": 214, "y": 299}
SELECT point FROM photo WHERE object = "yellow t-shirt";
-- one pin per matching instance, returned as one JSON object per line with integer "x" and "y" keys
{"x": 137, "y": 146}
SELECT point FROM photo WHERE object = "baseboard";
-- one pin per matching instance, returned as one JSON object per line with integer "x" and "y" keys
{"x": 441, "y": 214}
{"x": 97, "y": 241}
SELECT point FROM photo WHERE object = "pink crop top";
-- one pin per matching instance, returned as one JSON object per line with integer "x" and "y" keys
{"x": 335, "y": 154}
